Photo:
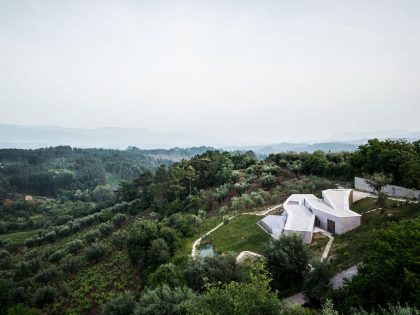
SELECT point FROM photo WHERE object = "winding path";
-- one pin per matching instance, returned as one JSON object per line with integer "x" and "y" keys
{"x": 261, "y": 213}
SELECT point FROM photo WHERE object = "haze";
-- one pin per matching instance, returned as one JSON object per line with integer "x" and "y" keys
{"x": 248, "y": 71}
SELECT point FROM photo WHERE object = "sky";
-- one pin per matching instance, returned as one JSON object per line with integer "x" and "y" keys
{"x": 251, "y": 71}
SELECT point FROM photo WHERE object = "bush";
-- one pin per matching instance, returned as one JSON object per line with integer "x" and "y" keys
{"x": 316, "y": 284}
{"x": 45, "y": 295}
{"x": 30, "y": 242}
{"x": 26, "y": 269}
{"x": 213, "y": 270}
{"x": 21, "y": 309}
{"x": 96, "y": 252}
{"x": 64, "y": 231}
{"x": 70, "y": 264}
{"x": 158, "y": 253}
{"x": 50, "y": 237}
{"x": 9, "y": 245}
{"x": 92, "y": 236}
{"x": 168, "y": 274}
{"x": 46, "y": 275}
{"x": 5, "y": 259}
{"x": 163, "y": 300}
{"x": 223, "y": 210}
{"x": 75, "y": 246}
{"x": 123, "y": 304}
{"x": 56, "y": 256}
{"x": 287, "y": 261}
{"x": 226, "y": 219}
{"x": 119, "y": 239}
{"x": 267, "y": 180}
{"x": 106, "y": 229}
{"x": 119, "y": 219}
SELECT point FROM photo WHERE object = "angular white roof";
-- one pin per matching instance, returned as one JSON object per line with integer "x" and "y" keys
{"x": 275, "y": 223}
{"x": 299, "y": 218}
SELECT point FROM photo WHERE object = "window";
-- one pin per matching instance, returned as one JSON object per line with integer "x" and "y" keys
{"x": 317, "y": 222}
{"x": 330, "y": 226}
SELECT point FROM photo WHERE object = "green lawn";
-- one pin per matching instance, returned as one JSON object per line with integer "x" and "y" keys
{"x": 350, "y": 248}
{"x": 184, "y": 246}
{"x": 317, "y": 247}
{"x": 19, "y": 237}
{"x": 241, "y": 233}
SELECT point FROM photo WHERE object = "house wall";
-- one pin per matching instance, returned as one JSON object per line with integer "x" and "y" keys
{"x": 342, "y": 224}
{"x": 305, "y": 236}
{"x": 389, "y": 190}
{"x": 349, "y": 223}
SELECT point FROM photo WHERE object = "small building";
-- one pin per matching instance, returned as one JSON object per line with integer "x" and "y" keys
{"x": 303, "y": 212}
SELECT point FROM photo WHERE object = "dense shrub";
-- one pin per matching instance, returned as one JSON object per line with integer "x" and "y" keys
{"x": 21, "y": 309}
{"x": 5, "y": 259}
{"x": 96, "y": 252}
{"x": 217, "y": 269}
{"x": 316, "y": 284}
{"x": 64, "y": 231}
{"x": 9, "y": 245}
{"x": 119, "y": 239}
{"x": 168, "y": 274}
{"x": 119, "y": 219}
{"x": 26, "y": 269}
{"x": 50, "y": 237}
{"x": 123, "y": 304}
{"x": 92, "y": 236}
{"x": 56, "y": 256}
{"x": 287, "y": 260}
{"x": 163, "y": 300}
{"x": 75, "y": 246}
{"x": 158, "y": 253}
{"x": 46, "y": 275}
{"x": 106, "y": 229}
{"x": 267, "y": 180}
{"x": 70, "y": 264}
{"x": 45, "y": 295}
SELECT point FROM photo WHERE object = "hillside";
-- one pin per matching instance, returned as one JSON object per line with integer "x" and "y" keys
{"x": 88, "y": 251}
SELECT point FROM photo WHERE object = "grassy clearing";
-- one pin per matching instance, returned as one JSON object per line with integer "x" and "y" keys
{"x": 185, "y": 244}
{"x": 18, "y": 237}
{"x": 242, "y": 233}
{"x": 316, "y": 248}
{"x": 350, "y": 248}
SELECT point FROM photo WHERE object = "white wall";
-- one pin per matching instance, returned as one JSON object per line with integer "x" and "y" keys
{"x": 342, "y": 224}
{"x": 305, "y": 236}
{"x": 389, "y": 190}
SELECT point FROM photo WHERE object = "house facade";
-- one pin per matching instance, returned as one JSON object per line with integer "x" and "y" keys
{"x": 303, "y": 212}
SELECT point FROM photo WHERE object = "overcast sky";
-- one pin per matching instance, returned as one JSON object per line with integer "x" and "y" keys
{"x": 254, "y": 71}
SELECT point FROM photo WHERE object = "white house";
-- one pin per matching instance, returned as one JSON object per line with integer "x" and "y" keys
{"x": 303, "y": 212}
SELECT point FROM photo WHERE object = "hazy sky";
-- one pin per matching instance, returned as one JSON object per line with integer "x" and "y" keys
{"x": 255, "y": 71}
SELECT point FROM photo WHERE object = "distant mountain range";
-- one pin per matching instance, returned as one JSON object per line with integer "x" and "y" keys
{"x": 296, "y": 147}
{"x": 30, "y": 137}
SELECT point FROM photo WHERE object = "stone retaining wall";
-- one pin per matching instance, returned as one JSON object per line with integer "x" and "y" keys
{"x": 389, "y": 190}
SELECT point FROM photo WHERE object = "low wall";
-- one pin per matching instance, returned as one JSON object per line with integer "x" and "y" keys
{"x": 389, "y": 190}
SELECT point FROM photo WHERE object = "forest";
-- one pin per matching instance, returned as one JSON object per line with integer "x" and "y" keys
{"x": 95, "y": 231}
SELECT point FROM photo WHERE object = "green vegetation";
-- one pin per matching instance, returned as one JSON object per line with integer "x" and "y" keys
{"x": 19, "y": 237}
{"x": 241, "y": 233}
{"x": 79, "y": 246}
{"x": 350, "y": 248}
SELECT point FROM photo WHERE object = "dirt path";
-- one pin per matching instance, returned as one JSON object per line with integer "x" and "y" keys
{"x": 262, "y": 213}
